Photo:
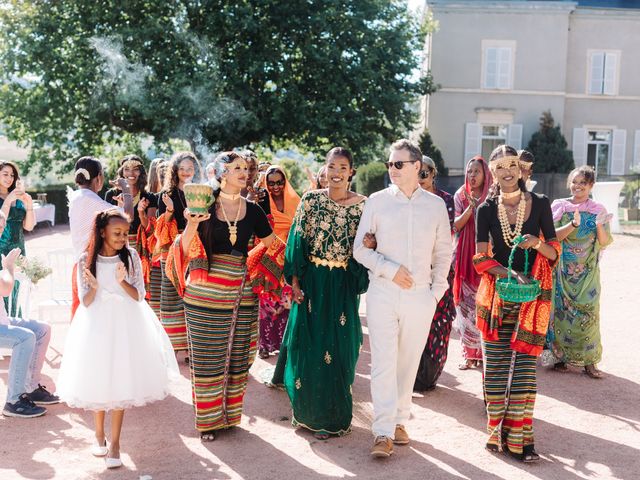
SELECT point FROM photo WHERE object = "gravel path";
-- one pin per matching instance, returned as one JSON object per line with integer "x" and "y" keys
{"x": 584, "y": 428}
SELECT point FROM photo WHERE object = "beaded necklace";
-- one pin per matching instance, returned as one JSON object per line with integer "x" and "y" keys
{"x": 509, "y": 234}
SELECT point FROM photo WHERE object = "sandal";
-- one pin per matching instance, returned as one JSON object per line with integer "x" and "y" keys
{"x": 491, "y": 447}
{"x": 208, "y": 436}
{"x": 529, "y": 455}
{"x": 321, "y": 435}
{"x": 466, "y": 365}
{"x": 264, "y": 354}
{"x": 593, "y": 372}
{"x": 560, "y": 367}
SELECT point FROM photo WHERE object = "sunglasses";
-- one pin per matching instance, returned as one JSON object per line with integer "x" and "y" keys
{"x": 398, "y": 165}
{"x": 424, "y": 174}
{"x": 277, "y": 183}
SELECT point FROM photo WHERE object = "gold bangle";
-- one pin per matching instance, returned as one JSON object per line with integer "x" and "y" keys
{"x": 537, "y": 245}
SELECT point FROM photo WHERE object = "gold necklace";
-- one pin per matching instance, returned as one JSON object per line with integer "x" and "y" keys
{"x": 229, "y": 196}
{"x": 233, "y": 229}
{"x": 509, "y": 234}
{"x": 509, "y": 195}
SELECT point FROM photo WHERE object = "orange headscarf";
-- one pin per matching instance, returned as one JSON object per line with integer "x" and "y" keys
{"x": 282, "y": 220}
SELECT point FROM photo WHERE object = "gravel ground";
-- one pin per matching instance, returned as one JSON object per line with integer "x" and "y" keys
{"x": 584, "y": 428}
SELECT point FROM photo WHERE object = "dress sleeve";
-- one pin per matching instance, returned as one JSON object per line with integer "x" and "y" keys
{"x": 83, "y": 287}
{"x": 546, "y": 219}
{"x": 262, "y": 228}
{"x": 457, "y": 202}
{"x": 297, "y": 252}
{"x": 108, "y": 197}
{"x": 482, "y": 223}
{"x": 161, "y": 206}
{"x": 135, "y": 277}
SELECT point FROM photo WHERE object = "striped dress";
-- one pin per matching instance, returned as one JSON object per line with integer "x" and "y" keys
{"x": 221, "y": 311}
{"x": 517, "y": 423}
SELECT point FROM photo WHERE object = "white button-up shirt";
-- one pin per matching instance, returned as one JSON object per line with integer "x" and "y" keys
{"x": 83, "y": 206}
{"x": 413, "y": 232}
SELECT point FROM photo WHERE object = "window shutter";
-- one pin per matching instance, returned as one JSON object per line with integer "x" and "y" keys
{"x": 597, "y": 73}
{"x": 610, "y": 70}
{"x": 472, "y": 140}
{"x": 504, "y": 68}
{"x": 514, "y": 137}
{"x": 618, "y": 146}
{"x": 580, "y": 146}
{"x": 636, "y": 151}
{"x": 491, "y": 68}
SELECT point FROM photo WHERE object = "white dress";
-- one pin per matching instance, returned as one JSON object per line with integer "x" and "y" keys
{"x": 117, "y": 355}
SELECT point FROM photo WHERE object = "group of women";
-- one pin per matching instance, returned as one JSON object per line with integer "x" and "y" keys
{"x": 265, "y": 270}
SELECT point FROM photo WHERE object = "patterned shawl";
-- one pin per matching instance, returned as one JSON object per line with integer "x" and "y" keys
{"x": 466, "y": 246}
{"x": 282, "y": 220}
{"x": 534, "y": 316}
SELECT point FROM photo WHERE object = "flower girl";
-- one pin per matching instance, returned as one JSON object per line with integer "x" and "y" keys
{"x": 117, "y": 354}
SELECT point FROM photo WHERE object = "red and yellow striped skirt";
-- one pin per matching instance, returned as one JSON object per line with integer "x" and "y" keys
{"x": 222, "y": 347}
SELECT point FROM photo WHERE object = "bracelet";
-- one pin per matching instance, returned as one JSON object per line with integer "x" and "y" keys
{"x": 170, "y": 211}
{"x": 537, "y": 245}
{"x": 574, "y": 225}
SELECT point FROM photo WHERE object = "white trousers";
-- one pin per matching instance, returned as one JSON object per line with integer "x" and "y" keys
{"x": 399, "y": 322}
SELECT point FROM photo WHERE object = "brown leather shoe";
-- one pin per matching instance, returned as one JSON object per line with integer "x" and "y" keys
{"x": 400, "y": 437}
{"x": 382, "y": 447}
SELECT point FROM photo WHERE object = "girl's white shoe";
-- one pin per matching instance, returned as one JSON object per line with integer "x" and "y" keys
{"x": 100, "y": 451}
{"x": 112, "y": 462}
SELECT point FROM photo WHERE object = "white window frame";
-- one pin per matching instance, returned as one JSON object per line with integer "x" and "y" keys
{"x": 502, "y": 47}
{"x": 589, "y": 142}
{"x": 607, "y": 87}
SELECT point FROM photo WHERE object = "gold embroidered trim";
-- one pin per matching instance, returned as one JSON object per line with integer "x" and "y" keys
{"x": 327, "y": 358}
{"x": 323, "y": 262}
{"x": 298, "y": 384}
{"x": 343, "y": 319}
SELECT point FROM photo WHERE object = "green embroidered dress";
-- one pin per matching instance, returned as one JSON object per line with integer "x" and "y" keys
{"x": 323, "y": 336}
{"x": 576, "y": 319}
{"x": 13, "y": 237}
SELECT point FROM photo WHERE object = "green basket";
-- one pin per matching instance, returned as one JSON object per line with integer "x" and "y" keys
{"x": 509, "y": 289}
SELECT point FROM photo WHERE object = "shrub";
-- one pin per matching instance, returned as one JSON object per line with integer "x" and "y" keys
{"x": 370, "y": 178}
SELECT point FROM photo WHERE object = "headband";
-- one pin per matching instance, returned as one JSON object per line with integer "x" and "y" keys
{"x": 84, "y": 172}
{"x": 503, "y": 161}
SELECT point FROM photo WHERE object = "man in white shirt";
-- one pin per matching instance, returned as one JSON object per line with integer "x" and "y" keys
{"x": 408, "y": 275}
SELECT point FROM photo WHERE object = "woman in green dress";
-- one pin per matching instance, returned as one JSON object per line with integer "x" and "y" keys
{"x": 323, "y": 336}
{"x": 582, "y": 226}
{"x": 17, "y": 206}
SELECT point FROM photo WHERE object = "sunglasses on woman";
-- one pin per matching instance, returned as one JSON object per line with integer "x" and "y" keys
{"x": 398, "y": 165}
{"x": 424, "y": 174}
{"x": 277, "y": 183}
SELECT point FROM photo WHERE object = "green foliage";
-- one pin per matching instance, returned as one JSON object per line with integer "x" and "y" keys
{"x": 78, "y": 74}
{"x": 549, "y": 148}
{"x": 428, "y": 148}
{"x": 370, "y": 178}
{"x": 631, "y": 193}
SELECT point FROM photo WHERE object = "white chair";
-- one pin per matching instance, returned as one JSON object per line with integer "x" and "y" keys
{"x": 61, "y": 263}
{"x": 24, "y": 303}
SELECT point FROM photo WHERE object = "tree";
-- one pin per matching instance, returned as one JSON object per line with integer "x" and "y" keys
{"x": 430, "y": 150}
{"x": 370, "y": 178}
{"x": 549, "y": 147}
{"x": 77, "y": 73}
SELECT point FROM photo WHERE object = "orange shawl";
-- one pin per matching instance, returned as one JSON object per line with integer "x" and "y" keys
{"x": 282, "y": 220}
{"x": 533, "y": 318}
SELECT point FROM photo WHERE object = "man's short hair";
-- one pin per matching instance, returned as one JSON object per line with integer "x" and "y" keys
{"x": 412, "y": 147}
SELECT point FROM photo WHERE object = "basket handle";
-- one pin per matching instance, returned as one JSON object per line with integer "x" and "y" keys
{"x": 518, "y": 240}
